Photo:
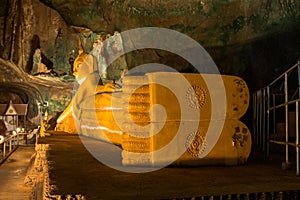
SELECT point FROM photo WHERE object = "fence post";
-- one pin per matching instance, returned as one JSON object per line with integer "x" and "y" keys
{"x": 4, "y": 148}
{"x": 268, "y": 121}
{"x": 10, "y": 140}
{"x": 254, "y": 119}
{"x": 297, "y": 138}
{"x": 260, "y": 120}
{"x": 263, "y": 134}
{"x": 286, "y": 99}
{"x": 297, "y": 123}
{"x": 274, "y": 114}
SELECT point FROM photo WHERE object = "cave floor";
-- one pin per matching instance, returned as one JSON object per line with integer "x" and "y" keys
{"x": 13, "y": 172}
{"x": 73, "y": 170}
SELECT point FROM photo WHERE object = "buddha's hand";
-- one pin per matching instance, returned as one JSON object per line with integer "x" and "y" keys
{"x": 105, "y": 88}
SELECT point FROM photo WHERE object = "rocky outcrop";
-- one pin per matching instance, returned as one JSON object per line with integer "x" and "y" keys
{"x": 256, "y": 40}
{"x": 212, "y": 23}
{"x": 29, "y": 25}
{"x": 20, "y": 87}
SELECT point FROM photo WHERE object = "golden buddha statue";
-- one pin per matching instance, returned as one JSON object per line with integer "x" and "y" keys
{"x": 126, "y": 116}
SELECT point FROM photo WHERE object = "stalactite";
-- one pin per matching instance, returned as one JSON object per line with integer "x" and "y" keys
{"x": 16, "y": 29}
{"x": 17, "y": 55}
{"x": 12, "y": 36}
{"x": 9, "y": 30}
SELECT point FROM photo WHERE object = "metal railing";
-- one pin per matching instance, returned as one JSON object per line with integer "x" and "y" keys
{"x": 273, "y": 107}
{"x": 9, "y": 144}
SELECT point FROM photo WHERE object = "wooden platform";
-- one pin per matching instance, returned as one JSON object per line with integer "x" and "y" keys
{"x": 73, "y": 170}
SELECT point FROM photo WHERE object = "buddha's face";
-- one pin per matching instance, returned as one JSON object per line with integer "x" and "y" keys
{"x": 78, "y": 63}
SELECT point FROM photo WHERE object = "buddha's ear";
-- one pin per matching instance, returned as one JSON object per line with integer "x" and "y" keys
{"x": 80, "y": 47}
{"x": 78, "y": 62}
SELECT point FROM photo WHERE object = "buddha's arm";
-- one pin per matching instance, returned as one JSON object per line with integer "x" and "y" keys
{"x": 67, "y": 112}
{"x": 84, "y": 91}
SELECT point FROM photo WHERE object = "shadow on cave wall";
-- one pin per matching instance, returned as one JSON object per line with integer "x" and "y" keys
{"x": 259, "y": 62}
{"x": 35, "y": 44}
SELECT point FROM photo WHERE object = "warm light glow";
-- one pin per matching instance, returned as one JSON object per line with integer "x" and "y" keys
{"x": 1, "y": 139}
{"x": 80, "y": 81}
{"x": 18, "y": 129}
{"x": 67, "y": 112}
{"x": 84, "y": 126}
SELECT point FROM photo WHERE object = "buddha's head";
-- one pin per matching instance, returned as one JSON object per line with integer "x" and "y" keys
{"x": 78, "y": 63}
{"x": 84, "y": 65}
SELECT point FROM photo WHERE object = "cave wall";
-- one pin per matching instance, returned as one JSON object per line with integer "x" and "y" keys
{"x": 253, "y": 39}
{"x": 29, "y": 24}
{"x": 260, "y": 61}
{"x": 256, "y": 40}
{"x": 241, "y": 36}
{"x": 26, "y": 25}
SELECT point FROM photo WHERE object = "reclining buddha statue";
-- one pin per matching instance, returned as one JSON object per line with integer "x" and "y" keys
{"x": 167, "y": 112}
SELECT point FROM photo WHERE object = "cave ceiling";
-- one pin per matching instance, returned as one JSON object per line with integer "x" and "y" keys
{"x": 240, "y": 35}
{"x": 212, "y": 23}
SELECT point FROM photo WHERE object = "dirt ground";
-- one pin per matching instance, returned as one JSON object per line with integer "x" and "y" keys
{"x": 73, "y": 170}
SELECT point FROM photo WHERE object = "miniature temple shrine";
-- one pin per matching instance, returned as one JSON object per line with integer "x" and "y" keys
{"x": 11, "y": 113}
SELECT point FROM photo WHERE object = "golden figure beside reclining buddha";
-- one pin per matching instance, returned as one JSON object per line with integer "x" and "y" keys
{"x": 126, "y": 116}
